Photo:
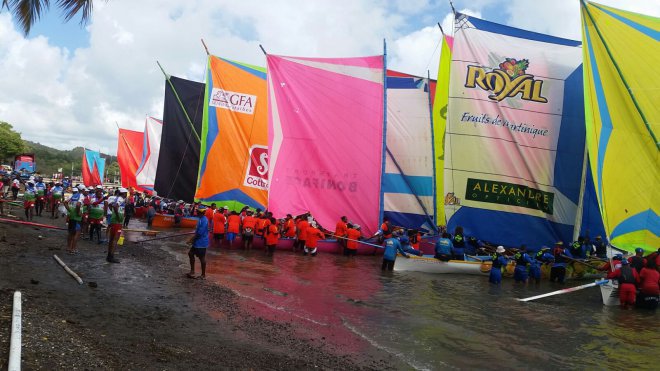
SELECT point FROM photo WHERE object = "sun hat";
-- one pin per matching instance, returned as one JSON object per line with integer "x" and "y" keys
{"x": 500, "y": 249}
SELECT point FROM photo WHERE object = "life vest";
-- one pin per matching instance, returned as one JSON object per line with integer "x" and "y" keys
{"x": 458, "y": 241}
{"x": 496, "y": 261}
{"x": 558, "y": 253}
{"x": 627, "y": 275}
{"x": 576, "y": 248}
{"x": 520, "y": 259}
{"x": 637, "y": 262}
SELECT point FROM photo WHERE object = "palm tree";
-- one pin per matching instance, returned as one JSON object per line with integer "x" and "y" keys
{"x": 27, "y": 12}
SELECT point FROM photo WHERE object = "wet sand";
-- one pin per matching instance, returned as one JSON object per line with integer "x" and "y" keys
{"x": 145, "y": 314}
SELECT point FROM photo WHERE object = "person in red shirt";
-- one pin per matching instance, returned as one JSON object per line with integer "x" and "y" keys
{"x": 313, "y": 236}
{"x": 289, "y": 227}
{"x": 249, "y": 224}
{"x": 272, "y": 236}
{"x": 301, "y": 227}
{"x": 219, "y": 221}
{"x": 353, "y": 235}
{"x": 340, "y": 231}
{"x": 649, "y": 288}
{"x": 209, "y": 213}
{"x": 233, "y": 227}
{"x": 415, "y": 238}
{"x": 628, "y": 280}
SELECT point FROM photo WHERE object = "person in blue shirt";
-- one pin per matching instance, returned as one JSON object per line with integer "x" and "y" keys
{"x": 405, "y": 244}
{"x": 391, "y": 246}
{"x": 523, "y": 261}
{"x": 560, "y": 255}
{"x": 542, "y": 256}
{"x": 443, "y": 248}
{"x": 40, "y": 189}
{"x": 499, "y": 263}
{"x": 458, "y": 244}
{"x": 200, "y": 242}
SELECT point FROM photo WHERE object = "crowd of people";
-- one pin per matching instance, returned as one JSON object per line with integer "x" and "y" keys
{"x": 89, "y": 209}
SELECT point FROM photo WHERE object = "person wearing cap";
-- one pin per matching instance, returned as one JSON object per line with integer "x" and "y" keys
{"x": 40, "y": 189}
{"x": 116, "y": 207}
{"x": 499, "y": 263}
{"x": 601, "y": 247}
{"x": 56, "y": 196}
{"x": 392, "y": 246}
{"x": 219, "y": 222}
{"x": 97, "y": 208}
{"x": 443, "y": 247}
{"x": 199, "y": 243}
{"x": 561, "y": 257}
{"x": 407, "y": 247}
{"x": 637, "y": 261}
{"x": 628, "y": 279}
{"x": 74, "y": 221}
{"x": 353, "y": 235}
{"x": 248, "y": 225}
{"x": 341, "y": 230}
{"x": 29, "y": 197}
{"x": 313, "y": 236}
{"x": 614, "y": 264}
{"x": 649, "y": 286}
{"x": 523, "y": 263}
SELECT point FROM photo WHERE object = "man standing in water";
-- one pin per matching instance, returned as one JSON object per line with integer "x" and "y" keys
{"x": 392, "y": 246}
{"x": 199, "y": 243}
{"x": 523, "y": 261}
{"x": 499, "y": 262}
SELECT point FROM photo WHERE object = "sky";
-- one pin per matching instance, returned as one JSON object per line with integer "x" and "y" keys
{"x": 65, "y": 85}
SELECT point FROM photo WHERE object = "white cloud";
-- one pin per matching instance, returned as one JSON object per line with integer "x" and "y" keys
{"x": 65, "y": 98}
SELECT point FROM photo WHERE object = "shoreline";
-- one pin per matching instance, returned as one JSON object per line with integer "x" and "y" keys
{"x": 145, "y": 314}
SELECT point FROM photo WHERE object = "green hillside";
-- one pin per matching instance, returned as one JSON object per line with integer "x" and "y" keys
{"x": 49, "y": 160}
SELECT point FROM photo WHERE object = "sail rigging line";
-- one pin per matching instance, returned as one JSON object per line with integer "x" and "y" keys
{"x": 623, "y": 79}
{"x": 381, "y": 213}
{"x": 167, "y": 77}
{"x": 405, "y": 179}
{"x": 577, "y": 226}
{"x": 435, "y": 187}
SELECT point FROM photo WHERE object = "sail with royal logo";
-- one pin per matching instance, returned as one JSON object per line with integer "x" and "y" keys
{"x": 326, "y": 138}
{"x": 621, "y": 57}
{"x": 233, "y": 168}
{"x": 514, "y": 145}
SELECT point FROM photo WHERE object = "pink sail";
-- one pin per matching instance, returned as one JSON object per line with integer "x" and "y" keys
{"x": 326, "y": 138}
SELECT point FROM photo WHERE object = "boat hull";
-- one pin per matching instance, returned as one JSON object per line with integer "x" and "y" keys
{"x": 432, "y": 265}
{"x": 167, "y": 221}
{"x": 329, "y": 246}
{"x": 610, "y": 293}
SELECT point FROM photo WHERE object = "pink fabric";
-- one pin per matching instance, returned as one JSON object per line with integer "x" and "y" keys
{"x": 329, "y": 159}
{"x": 370, "y": 62}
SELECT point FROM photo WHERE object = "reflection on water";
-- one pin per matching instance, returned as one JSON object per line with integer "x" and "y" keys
{"x": 438, "y": 321}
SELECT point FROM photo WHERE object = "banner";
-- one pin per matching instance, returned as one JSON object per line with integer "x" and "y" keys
{"x": 514, "y": 145}
{"x": 129, "y": 155}
{"x": 233, "y": 169}
{"x": 146, "y": 172}
{"x": 176, "y": 176}
{"x": 326, "y": 138}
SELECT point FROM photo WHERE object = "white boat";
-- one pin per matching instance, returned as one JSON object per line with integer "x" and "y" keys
{"x": 433, "y": 265}
{"x": 610, "y": 293}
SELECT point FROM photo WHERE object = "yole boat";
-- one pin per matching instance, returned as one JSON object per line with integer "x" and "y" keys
{"x": 167, "y": 221}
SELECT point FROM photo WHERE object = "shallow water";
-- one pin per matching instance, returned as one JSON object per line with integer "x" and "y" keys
{"x": 438, "y": 321}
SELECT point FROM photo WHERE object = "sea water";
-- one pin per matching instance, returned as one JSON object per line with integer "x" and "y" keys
{"x": 438, "y": 321}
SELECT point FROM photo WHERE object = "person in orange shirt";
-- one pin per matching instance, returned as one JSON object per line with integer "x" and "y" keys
{"x": 233, "y": 227}
{"x": 272, "y": 236}
{"x": 289, "y": 227}
{"x": 353, "y": 234}
{"x": 415, "y": 238}
{"x": 301, "y": 227}
{"x": 313, "y": 236}
{"x": 340, "y": 231}
{"x": 209, "y": 213}
{"x": 219, "y": 221}
{"x": 249, "y": 224}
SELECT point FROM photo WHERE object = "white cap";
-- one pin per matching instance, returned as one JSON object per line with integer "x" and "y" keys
{"x": 500, "y": 249}
{"x": 74, "y": 190}
{"x": 99, "y": 187}
{"x": 123, "y": 190}
{"x": 226, "y": 207}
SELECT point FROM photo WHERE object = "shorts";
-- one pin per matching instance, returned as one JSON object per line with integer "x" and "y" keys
{"x": 349, "y": 252}
{"x": 218, "y": 236}
{"x": 387, "y": 265}
{"x": 95, "y": 221}
{"x": 114, "y": 229}
{"x": 74, "y": 226}
{"x": 28, "y": 204}
{"x": 231, "y": 236}
{"x": 248, "y": 238}
{"x": 199, "y": 252}
{"x": 107, "y": 220}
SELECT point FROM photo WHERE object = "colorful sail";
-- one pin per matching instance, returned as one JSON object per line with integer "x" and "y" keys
{"x": 146, "y": 172}
{"x": 233, "y": 167}
{"x": 93, "y": 166}
{"x": 408, "y": 198}
{"x": 514, "y": 144}
{"x": 439, "y": 116}
{"x": 176, "y": 176}
{"x": 326, "y": 138}
{"x": 621, "y": 57}
{"x": 129, "y": 155}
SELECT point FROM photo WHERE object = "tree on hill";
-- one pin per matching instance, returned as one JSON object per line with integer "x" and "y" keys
{"x": 11, "y": 143}
{"x": 27, "y": 12}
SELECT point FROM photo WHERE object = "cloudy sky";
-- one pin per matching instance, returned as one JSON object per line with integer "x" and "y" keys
{"x": 67, "y": 86}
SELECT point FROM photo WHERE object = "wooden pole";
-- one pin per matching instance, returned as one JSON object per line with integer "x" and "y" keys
{"x": 68, "y": 270}
{"x": 565, "y": 291}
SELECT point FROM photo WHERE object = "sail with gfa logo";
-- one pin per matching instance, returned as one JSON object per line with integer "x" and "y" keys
{"x": 233, "y": 101}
